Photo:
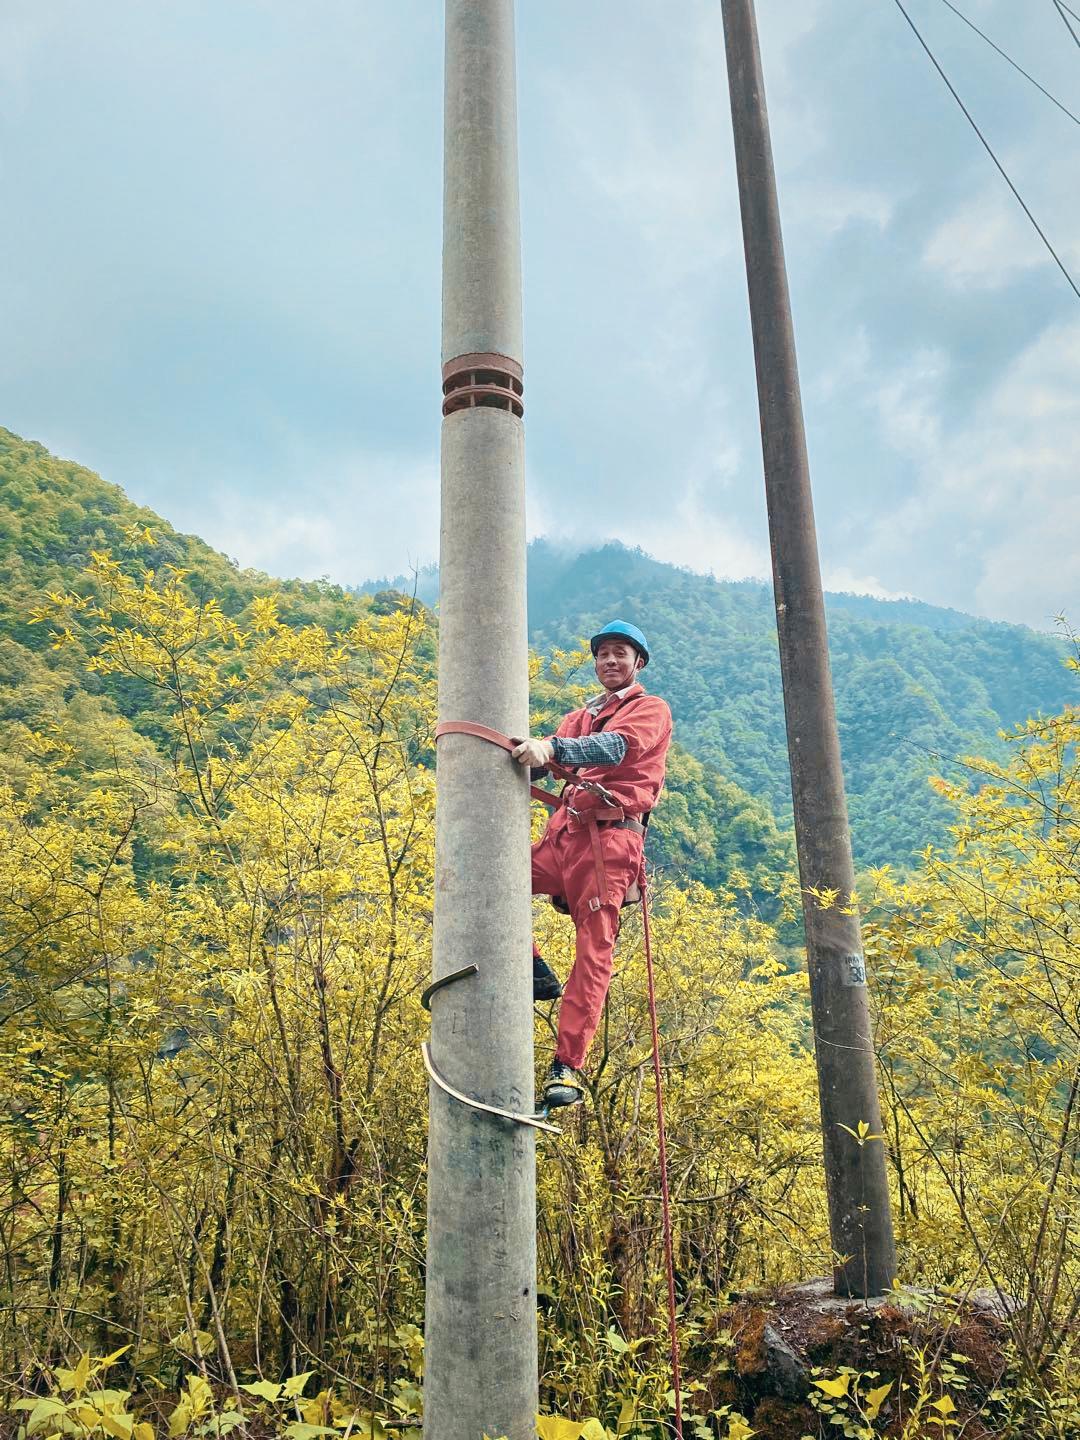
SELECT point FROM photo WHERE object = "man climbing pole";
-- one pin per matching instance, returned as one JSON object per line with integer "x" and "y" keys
{"x": 590, "y": 858}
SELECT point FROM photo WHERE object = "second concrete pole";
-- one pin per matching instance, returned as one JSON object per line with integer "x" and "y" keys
{"x": 860, "y": 1221}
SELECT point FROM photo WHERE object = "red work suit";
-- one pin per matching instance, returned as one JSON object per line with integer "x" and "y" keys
{"x": 564, "y": 860}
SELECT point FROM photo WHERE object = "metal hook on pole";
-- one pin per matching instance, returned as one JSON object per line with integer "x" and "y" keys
{"x": 437, "y": 985}
{"x": 533, "y": 1120}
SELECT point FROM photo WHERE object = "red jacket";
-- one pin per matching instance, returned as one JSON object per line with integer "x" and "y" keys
{"x": 637, "y": 780}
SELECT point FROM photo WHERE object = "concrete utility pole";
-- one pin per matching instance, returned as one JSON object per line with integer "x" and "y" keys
{"x": 859, "y": 1218}
{"x": 481, "y": 1343}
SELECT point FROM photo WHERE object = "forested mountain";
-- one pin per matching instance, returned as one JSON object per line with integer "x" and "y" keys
{"x": 916, "y": 686}
{"x": 54, "y": 514}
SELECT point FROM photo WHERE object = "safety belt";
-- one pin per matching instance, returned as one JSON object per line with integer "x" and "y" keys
{"x": 613, "y": 814}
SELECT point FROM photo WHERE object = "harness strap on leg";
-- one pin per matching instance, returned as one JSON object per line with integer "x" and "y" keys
{"x": 602, "y": 897}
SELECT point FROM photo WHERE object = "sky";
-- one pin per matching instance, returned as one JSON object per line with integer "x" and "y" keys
{"x": 220, "y": 271}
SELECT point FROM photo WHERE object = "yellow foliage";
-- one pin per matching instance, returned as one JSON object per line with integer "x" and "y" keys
{"x": 214, "y": 1128}
{"x": 554, "y": 1427}
{"x": 836, "y": 1387}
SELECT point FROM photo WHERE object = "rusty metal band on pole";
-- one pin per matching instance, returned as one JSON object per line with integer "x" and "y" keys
{"x": 470, "y": 380}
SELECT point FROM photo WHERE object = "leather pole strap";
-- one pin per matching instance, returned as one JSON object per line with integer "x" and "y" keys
{"x": 495, "y": 737}
{"x": 589, "y": 820}
{"x": 481, "y": 732}
{"x": 504, "y": 742}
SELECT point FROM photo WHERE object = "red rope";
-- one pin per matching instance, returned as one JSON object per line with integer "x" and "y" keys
{"x": 665, "y": 1194}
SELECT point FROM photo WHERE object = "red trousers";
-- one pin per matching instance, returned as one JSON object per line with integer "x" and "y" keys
{"x": 563, "y": 864}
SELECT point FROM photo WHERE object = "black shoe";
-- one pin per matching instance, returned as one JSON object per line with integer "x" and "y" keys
{"x": 562, "y": 1086}
{"x": 545, "y": 982}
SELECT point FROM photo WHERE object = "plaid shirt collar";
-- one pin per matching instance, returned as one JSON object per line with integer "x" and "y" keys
{"x": 597, "y": 703}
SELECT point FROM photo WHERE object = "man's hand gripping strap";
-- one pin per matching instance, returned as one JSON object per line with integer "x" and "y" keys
{"x": 504, "y": 742}
{"x": 587, "y": 819}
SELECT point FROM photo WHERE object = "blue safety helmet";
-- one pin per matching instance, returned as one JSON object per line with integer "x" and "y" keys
{"x": 622, "y": 630}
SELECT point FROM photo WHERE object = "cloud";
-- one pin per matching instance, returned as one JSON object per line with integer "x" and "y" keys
{"x": 909, "y": 405}
{"x": 832, "y": 207}
{"x": 641, "y": 141}
{"x": 988, "y": 242}
{"x": 1018, "y": 466}
{"x": 842, "y": 580}
{"x": 343, "y": 516}
{"x": 992, "y": 506}
{"x": 690, "y": 532}
{"x": 220, "y": 283}
{"x": 25, "y": 28}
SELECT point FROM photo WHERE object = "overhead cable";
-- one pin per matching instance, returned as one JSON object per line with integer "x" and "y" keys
{"x": 1061, "y": 9}
{"x": 983, "y": 36}
{"x": 987, "y": 147}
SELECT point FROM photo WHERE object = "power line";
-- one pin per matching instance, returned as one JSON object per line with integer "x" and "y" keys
{"x": 983, "y": 36}
{"x": 1061, "y": 9}
{"x": 986, "y": 146}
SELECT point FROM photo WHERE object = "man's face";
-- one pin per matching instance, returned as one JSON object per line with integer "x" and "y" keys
{"x": 617, "y": 662}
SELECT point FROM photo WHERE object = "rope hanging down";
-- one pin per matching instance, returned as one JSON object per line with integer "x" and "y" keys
{"x": 504, "y": 742}
{"x": 665, "y": 1193}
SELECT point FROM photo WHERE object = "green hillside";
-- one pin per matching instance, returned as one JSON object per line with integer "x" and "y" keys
{"x": 217, "y": 883}
{"x": 910, "y": 697}
{"x": 54, "y": 513}
{"x": 916, "y": 686}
